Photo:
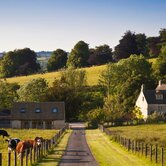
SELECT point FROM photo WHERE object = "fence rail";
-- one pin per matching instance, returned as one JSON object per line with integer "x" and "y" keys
{"x": 33, "y": 155}
{"x": 153, "y": 152}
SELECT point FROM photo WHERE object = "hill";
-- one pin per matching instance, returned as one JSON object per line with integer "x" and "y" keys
{"x": 92, "y": 76}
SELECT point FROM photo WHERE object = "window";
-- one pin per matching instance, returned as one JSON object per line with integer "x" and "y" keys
{"x": 159, "y": 96}
{"x": 22, "y": 110}
{"x": 55, "y": 110}
{"x": 37, "y": 110}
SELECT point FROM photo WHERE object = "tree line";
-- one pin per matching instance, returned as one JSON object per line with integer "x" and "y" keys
{"x": 113, "y": 99}
{"x": 24, "y": 61}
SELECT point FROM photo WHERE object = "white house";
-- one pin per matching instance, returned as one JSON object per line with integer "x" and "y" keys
{"x": 150, "y": 101}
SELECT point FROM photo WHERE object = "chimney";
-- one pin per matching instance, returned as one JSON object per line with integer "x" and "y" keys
{"x": 142, "y": 87}
{"x": 160, "y": 83}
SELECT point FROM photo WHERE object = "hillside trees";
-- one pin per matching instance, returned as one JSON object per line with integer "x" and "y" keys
{"x": 57, "y": 60}
{"x": 100, "y": 55}
{"x": 8, "y": 94}
{"x": 79, "y": 55}
{"x": 19, "y": 62}
{"x": 33, "y": 91}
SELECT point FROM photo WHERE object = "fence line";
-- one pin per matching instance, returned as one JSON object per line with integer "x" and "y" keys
{"x": 32, "y": 156}
{"x": 153, "y": 152}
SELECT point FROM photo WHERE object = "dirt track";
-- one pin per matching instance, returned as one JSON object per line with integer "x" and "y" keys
{"x": 78, "y": 152}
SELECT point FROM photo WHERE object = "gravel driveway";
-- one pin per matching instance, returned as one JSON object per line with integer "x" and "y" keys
{"x": 78, "y": 152}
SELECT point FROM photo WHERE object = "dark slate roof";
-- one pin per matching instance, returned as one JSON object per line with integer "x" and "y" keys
{"x": 5, "y": 112}
{"x": 150, "y": 96}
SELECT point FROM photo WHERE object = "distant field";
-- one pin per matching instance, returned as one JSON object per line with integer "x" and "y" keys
{"x": 154, "y": 134}
{"x": 24, "y": 134}
{"x": 92, "y": 76}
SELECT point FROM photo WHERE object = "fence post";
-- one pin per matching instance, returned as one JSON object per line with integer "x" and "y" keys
{"x": 15, "y": 158}
{"x": 146, "y": 150}
{"x": 162, "y": 156}
{"x": 151, "y": 153}
{"x": 21, "y": 159}
{"x": 142, "y": 148}
{"x": 9, "y": 158}
{"x": 0, "y": 159}
{"x": 156, "y": 153}
{"x": 26, "y": 157}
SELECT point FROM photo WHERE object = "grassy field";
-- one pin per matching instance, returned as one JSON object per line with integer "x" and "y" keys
{"x": 92, "y": 76}
{"x": 23, "y": 134}
{"x": 109, "y": 153}
{"x": 154, "y": 134}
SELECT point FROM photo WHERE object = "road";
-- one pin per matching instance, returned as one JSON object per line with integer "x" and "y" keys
{"x": 78, "y": 152}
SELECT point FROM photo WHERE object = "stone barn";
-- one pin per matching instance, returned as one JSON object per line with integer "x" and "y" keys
{"x": 38, "y": 115}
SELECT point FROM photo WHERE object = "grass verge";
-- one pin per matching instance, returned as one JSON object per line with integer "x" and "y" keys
{"x": 109, "y": 153}
{"x": 55, "y": 154}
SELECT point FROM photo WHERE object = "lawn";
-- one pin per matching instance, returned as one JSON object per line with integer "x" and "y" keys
{"x": 150, "y": 133}
{"x": 109, "y": 153}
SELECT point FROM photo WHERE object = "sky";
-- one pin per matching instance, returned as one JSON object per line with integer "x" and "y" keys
{"x": 46, "y": 25}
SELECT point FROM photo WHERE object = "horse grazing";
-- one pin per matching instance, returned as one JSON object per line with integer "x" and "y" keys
{"x": 4, "y": 133}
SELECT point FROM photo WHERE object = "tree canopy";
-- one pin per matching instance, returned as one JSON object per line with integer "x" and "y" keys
{"x": 19, "y": 62}
{"x": 34, "y": 90}
{"x": 57, "y": 60}
{"x": 79, "y": 55}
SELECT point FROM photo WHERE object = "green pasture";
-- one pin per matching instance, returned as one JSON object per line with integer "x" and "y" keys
{"x": 92, "y": 76}
{"x": 109, "y": 153}
{"x": 150, "y": 133}
{"x": 23, "y": 134}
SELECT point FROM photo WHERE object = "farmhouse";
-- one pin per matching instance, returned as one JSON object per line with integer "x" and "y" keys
{"x": 42, "y": 115}
{"x": 150, "y": 101}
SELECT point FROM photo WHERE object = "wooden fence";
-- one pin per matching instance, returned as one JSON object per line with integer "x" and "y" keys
{"x": 153, "y": 152}
{"x": 34, "y": 155}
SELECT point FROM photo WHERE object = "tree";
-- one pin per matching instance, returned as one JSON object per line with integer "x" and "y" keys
{"x": 79, "y": 55}
{"x": 124, "y": 79}
{"x": 57, "y": 60}
{"x": 154, "y": 46}
{"x": 142, "y": 44}
{"x": 127, "y": 46}
{"x": 68, "y": 89}
{"x": 33, "y": 91}
{"x": 162, "y": 33}
{"x": 100, "y": 55}
{"x": 159, "y": 67}
{"x": 19, "y": 62}
{"x": 8, "y": 94}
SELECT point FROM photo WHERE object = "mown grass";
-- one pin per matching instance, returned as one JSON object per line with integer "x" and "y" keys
{"x": 54, "y": 157}
{"x": 23, "y": 134}
{"x": 150, "y": 133}
{"x": 92, "y": 76}
{"x": 109, "y": 153}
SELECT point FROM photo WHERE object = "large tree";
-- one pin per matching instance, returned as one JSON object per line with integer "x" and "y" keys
{"x": 19, "y": 62}
{"x": 124, "y": 79}
{"x": 100, "y": 55}
{"x": 127, "y": 46}
{"x": 34, "y": 90}
{"x": 57, "y": 60}
{"x": 79, "y": 55}
{"x": 8, "y": 94}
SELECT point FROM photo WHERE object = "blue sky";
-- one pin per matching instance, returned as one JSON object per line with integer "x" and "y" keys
{"x": 51, "y": 24}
